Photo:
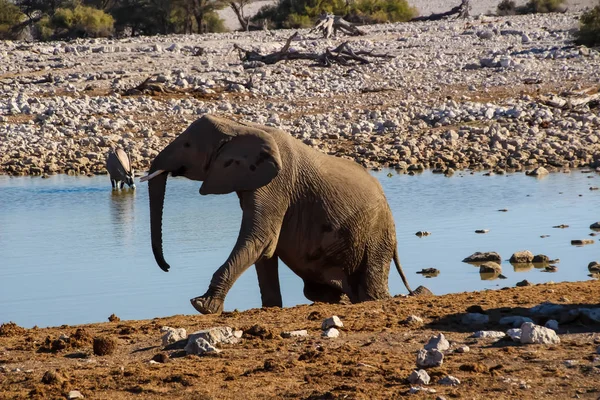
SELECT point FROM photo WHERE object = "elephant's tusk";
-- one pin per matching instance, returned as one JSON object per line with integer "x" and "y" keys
{"x": 152, "y": 175}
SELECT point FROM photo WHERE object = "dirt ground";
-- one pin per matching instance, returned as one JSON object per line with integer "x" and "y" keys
{"x": 371, "y": 359}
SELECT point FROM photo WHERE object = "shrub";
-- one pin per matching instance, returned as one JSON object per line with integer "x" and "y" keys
{"x": 542, "y": 6}
{"x": 296, "y": 21}
{"x": 589, "y": 28}
{"x": 10, "y": 15}
{"x": 506, "y": 7}
{"x": 80, "y": 21}
{"x": 214, "y": 23}
{"x": 375, "y": 11}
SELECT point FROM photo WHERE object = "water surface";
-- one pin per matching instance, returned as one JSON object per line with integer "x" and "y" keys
{"x": 73, "y": 251}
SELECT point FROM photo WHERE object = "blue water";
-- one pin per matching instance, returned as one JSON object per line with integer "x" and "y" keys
{"x": 72, "y": 251}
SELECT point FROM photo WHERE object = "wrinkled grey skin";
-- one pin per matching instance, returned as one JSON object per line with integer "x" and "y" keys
{"x": 324, "y": 217}
{"x": 119, "y": 169}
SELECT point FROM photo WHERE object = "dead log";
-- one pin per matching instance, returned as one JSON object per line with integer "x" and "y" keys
{"x": 573, "y": 102}
{"x": 342, "y": 55}
{"x": 146, "y": 87}
{"x": 329, "y": 25}
{"x": 461, "y": 11}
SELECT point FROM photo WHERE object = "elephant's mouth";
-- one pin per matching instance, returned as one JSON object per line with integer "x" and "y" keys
{"x": 179, "y": 171}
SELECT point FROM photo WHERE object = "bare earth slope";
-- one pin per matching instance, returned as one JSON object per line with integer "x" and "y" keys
{"x": 372, "y": 358}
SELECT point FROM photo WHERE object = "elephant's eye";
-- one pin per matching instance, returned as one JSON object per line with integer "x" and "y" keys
{"x": 186, "y": 144}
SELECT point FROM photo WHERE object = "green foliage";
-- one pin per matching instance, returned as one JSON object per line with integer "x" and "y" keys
{"x": 303, "y": 13}
{"x": 542, "y": 6}
{"x": 213, "y": 23}
{"x": 296, "y": 21}
{"x": 506, "y": 7}
{"x": 378, "y": 11}
{"x": 81, "y": 21}
{"x": 10, "y": 15}
{"x": 589, "y": 28}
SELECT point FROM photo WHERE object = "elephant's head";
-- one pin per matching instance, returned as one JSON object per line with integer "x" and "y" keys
{"x": 226, "y": 155}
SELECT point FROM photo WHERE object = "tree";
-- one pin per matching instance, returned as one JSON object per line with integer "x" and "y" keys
{"x": 10, "y": 15}
{"x": 238, "y": 8}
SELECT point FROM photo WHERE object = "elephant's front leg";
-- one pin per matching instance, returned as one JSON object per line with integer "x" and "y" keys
{"x": 261, "y": 223}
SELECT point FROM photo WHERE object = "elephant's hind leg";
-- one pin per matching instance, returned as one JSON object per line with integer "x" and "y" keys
{"x": 267, "y": 271}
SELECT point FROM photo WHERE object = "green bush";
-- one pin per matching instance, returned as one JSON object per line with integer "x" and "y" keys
{"x": 377, "y": 11}
{"x": 214, "y": 23}
{"x": 589, "y": 28}
{"x": 10, "y": 15}
{"x": 542, "y": 6}
{"x": 506, "y": 7}
{"x": 296, "y": 21}
{"x": 80, "y": 21}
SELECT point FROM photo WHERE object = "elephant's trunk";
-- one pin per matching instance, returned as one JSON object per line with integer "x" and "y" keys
{"x": 156, "y": 188}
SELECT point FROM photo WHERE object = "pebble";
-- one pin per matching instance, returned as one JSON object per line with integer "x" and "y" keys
{"x": 330, "y": 333}
{"x": 293, "y": 334}
{"x": 449, "y": 380}
{"x": 438, "y": 343}
{"x": 172, "y": 335}
{"x": 531, "y": 333}
{"x": 488, "y": 335}
{"x": 429, "y": 358}
{"x": 75, "y": 394}
{"x": 332, "y": 322}
{"x": 419, "y": 377}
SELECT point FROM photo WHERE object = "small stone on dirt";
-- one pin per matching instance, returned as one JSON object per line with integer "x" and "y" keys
{"x": 429, "y": 358}
{"x": 412, "y": 320}
{"x": 161, "y": 358}
{"x": 463, "y": 349}
{"x": 438, "y": 343}
{"x": 172, "y": 335}
{"x": 332, "y": 322}
{"x": 113, "y": 318}
{"x": 52, "y": 378}
{"x": 449, "y": 381}
{"x": 330, "y": 333}
{"x": 535, "y": 334}
{"x": 74, "y": 394}
{"x": 200, "y": 346}
{"x": 488, "y": 335}
{"x": 419, "y": 377}
{"x": 292, "y": 334}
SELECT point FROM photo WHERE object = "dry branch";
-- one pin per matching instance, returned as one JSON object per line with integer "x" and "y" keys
{"x": 342, "y": 55}
{"x": 329, "y": 25}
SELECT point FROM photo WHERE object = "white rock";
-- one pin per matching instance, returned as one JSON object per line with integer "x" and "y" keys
{"x": 429, "y": 358}
{"x": 531, "y": 333}
{"x": 438, "y": 342}
{"x": 463, "y": 349}
{"x": 172, "y": 335}
{"x": 74, "y": 394}
{"x": 525, "y": 39}
{"x": 214, "y": 336}
{"x": 419, "y": 377}
{"x": 330, "y": 333}
{"x": 413, "y": 320}
{"x": 332, "y": 322}
{"x": 417, "y": 389}
{"x": 291, "y": 334}
{"x": 489, "y": 334}
{"x": 514, "y": 334}
{"x": 449, "y": 381}
{"x": 200, "y": 346}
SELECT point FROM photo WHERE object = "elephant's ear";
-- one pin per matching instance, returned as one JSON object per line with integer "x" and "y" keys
{"x": 249, "y": 160}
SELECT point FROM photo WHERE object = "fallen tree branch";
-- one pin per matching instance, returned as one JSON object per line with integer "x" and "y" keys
{"x": 329, "y": 25}
{"x": 342, "y": 55}
{"x": 146, "y": 87}
{"x": 561, "y": 102}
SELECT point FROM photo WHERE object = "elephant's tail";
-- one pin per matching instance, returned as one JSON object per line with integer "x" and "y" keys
{"x": 400, "y": 271}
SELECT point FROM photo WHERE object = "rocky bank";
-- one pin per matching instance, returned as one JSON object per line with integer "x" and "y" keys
{"x": 496, "y": 93}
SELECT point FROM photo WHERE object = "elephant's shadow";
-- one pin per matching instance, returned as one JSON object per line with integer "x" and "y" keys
{"x": 570, "y": 317}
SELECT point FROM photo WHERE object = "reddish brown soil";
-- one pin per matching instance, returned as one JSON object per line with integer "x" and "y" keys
{"x": 370, "y": 360}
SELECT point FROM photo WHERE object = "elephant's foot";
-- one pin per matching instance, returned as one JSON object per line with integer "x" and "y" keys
{"x": 207, "y": 304}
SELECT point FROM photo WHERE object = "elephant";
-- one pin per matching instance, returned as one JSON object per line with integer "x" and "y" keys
{"x": 325, "y": 217}
{"x": 119, "y": 169}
